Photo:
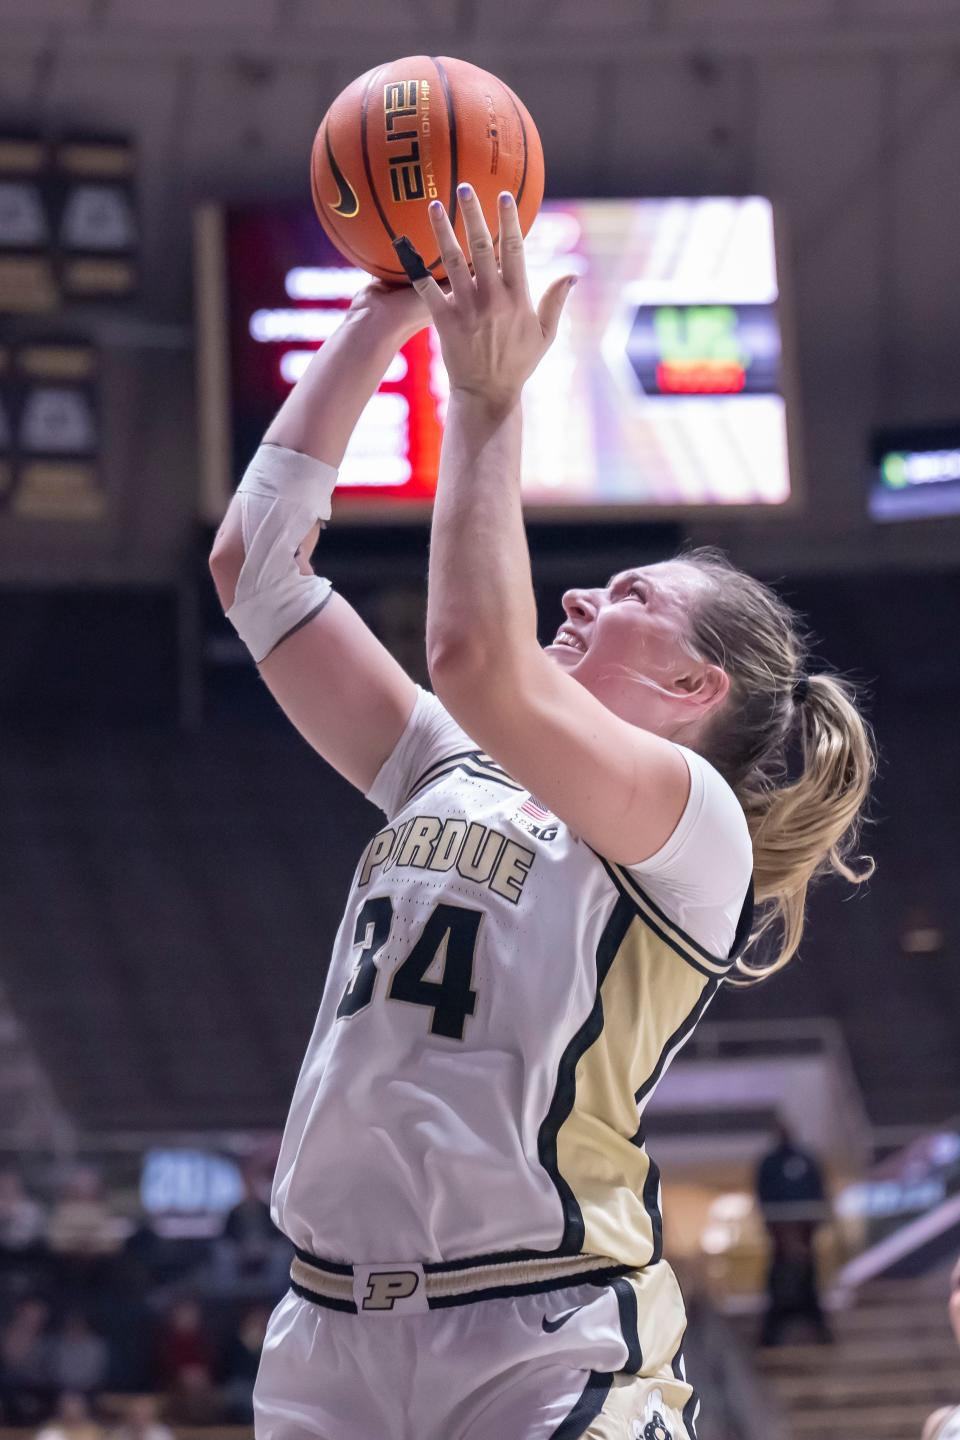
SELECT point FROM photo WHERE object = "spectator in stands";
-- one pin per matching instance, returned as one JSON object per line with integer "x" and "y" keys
{"x": 72, "y": 1421}
{"x": 240, "y": 1364}
{"x": 256, "y": 1249}
{"x": 25, "y": 1363}
{"x": 141, "y": 1421}
{"x": 194, "y": 1398}
{"x": 945, "y": 1424}
{"x": 79, "y": 1357}
{"x": 790, "y": 1190}
{"x": 23, "y": 1220}
{"x": 183, "y": 1344}
{"x": 83, "y": 1232}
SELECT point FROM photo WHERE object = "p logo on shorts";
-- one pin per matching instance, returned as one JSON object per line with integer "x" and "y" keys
{"x": 390, "y": 1289}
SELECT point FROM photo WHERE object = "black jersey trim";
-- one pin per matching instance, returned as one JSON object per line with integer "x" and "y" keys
{"x": 629, "y": 1325}
{"x": 467, "y": 768}
{"x": 741, "y": 938}
{"x": 448, "y": 762}
{"x": 689, "y": 1023}
{"x": 564, "y": 1095}
{"x": 347, "y": 1307}
{"x": 496, "y": 778}
{"x": 479, "y": 756}
{"x": 651, "y": 1203}
{"x": 678, "y": 941}
{"x": 587, "y": 1408}
{"x": 689, "y": 1413}
{"x": 624, "y": 880}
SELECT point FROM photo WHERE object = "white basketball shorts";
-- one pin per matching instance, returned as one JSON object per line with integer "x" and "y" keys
{"x": 388, "y": 1353}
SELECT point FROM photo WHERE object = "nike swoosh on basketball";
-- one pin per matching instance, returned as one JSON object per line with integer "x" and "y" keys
{"x": 551, "y": 1325}
{"x": 347, "y": 205}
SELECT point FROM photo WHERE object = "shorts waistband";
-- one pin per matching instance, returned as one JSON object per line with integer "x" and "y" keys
{"x": 404, "y": 1288}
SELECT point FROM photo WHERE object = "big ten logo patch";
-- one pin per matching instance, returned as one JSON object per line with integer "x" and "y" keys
{"x": 407, "y": 126}
{"x": 390, "y": 1289}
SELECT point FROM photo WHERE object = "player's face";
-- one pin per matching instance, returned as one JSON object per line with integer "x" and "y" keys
{"x": 627, "y": 642}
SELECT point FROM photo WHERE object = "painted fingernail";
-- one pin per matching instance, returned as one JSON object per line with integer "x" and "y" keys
{"x": 465, "y": 191}
{"x": 505, "y": 198}
{"x": 435, "y": 207}
{"x": 410, "y": 258}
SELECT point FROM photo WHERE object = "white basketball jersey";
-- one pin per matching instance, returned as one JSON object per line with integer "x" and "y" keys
{"x": 949, "y": 1427}
{"x": 500, "y": 1006}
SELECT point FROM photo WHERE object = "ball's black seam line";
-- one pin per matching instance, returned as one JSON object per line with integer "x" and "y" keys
{"x": 452, "y": 138}
{"x": 523, "y": 137}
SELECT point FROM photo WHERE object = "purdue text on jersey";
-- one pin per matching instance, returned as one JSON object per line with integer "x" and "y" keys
{"x": 476, "y": 851}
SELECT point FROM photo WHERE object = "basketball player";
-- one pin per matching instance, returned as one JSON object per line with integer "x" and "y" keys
{"x": 945, "y": 1424}
{"x": 572, "y": 843}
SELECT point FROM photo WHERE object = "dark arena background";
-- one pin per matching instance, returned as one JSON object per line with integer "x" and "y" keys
{"x": 761, "y": 198}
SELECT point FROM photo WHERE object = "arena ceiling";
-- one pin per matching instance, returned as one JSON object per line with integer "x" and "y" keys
{"x": 531, "y": 28}
{"x": 845, "y": 112}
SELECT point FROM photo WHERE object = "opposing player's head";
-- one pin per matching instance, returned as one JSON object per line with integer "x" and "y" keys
{"x": 701, "y": 653}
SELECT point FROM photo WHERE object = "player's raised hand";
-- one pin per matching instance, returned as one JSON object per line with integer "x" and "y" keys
{"x": 491, "y": 336}
{"x": 397, "y": 308}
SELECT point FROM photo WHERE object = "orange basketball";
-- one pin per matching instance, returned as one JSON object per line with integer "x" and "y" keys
{"x": 407, "y": 133}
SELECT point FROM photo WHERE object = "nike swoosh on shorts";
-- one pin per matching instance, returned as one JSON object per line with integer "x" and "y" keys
{"x": 551, "y": 1325}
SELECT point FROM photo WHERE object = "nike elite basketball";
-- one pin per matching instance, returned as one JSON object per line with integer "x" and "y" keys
{"x": 407, "y": 133}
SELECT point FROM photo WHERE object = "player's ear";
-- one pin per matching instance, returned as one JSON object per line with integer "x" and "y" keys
{"x": 707, "y": 684}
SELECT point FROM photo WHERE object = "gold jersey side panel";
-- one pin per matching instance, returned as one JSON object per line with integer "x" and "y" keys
{"x": 653, "y": 990}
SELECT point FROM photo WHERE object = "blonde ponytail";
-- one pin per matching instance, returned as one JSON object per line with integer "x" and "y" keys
{"x": 794, "y": 747}
{"x": 810, "y": 826}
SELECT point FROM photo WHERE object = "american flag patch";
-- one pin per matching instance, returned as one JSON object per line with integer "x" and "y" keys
{"x": 533, "y": 807}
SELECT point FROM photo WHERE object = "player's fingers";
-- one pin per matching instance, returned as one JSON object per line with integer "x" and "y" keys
{"x": 482, "y": 253}
{"x": 513, "y": 265}
{"x": 453, "y": 258}
{"x": 419, "y": 276}
{"x": 551, "y": 306}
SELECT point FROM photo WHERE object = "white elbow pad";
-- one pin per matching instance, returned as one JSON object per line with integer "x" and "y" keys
{"x": 282, "y": 495}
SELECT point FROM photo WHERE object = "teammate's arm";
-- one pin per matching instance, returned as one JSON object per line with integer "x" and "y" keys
{"x": 339, "y": 686}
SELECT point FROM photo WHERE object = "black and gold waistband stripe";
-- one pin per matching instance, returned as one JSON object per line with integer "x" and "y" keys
{"x": 598, "y": 1277}
{"x": 334, "y": 1267}
{"x": 346, "y": 1307}
{"x": 449, "y": 1283}
{"x": 653, "y": 917}
{"x": 470, "y": 762}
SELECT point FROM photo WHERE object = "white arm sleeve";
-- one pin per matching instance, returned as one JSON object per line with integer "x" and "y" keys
{"x": 281, "y": 496}
{"x": 431, "y": 735}
{"x": 699, "y": 878}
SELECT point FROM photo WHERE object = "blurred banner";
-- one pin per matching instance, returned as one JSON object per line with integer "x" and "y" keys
{"x": 50, "y": 431}
{"x": 68, "y": 224}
